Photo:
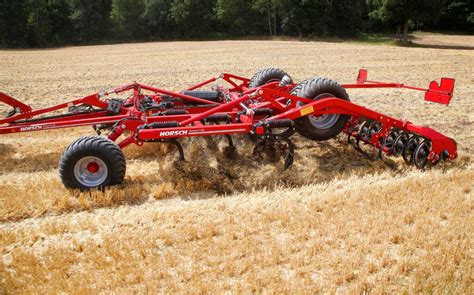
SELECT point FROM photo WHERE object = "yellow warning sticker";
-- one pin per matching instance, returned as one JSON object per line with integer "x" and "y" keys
{"x": 307, "y": 111}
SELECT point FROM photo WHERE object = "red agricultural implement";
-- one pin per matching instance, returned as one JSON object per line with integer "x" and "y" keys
{"x": 269, "y": 108}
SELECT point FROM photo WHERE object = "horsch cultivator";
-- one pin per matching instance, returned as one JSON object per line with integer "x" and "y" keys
{"x": 269, "y": 108}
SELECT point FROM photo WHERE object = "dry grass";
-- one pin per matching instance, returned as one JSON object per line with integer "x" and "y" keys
{"x": 335, "y": 221}
{"x": 444, "y": 40}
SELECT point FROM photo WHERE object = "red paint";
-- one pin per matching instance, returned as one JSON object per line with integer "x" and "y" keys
{"x": 93, "y": 167}
{"x": 132, "y": 120}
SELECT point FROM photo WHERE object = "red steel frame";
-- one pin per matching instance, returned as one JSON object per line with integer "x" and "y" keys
{"x": 273, "y": 95}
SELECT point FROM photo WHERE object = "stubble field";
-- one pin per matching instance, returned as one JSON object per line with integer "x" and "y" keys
{"x": 334, "y": 222}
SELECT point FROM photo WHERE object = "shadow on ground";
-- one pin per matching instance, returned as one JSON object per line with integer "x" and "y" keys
{"x": 14, "y": 161}
{"x": 416, "y": 43}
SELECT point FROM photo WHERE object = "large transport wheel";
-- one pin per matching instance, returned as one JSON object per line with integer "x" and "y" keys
{"x": 266, "y": 76}
{"x": 92, "y": 162}
{"x": 326, "y": 126}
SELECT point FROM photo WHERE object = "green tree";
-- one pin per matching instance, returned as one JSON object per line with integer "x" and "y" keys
{"x": 13, "y": 23}
{"x": 39, "y": 23}
{"x": 238, "y": 17}
{"x": 270, "y": 9}
{"x": 322, "y": 17}
{"x": 304, "y": 17}
{"x": 90, "y": 19}
{"x": 193, "y": 18}
{"x": 59, "y": 12}
{"x": 402, "y": 12}
{"x": 48, "y": 22}
{"x": 345, "y": 17}
{"x": 458, "y": 15}
{"x": 127, "y": 18}
{"x": 157, "y": 18}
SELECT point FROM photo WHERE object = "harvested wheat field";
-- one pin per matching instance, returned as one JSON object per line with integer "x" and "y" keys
{"x": 335, "y": 222}
{"x": 438, "y": 40}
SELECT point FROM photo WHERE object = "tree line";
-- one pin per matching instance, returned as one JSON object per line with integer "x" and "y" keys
{"x": 46, "y": 23}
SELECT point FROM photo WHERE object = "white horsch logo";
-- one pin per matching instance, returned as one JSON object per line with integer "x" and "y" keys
{"x": 173, "y": 133}
{"x": 30, "y": 128}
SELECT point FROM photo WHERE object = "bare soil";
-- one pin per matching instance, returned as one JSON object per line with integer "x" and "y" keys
{"x": 438, "y": 40}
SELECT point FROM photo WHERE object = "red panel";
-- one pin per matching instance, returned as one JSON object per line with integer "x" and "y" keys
{"x": 441, "y": 93}
{"x": 362, "y": 77}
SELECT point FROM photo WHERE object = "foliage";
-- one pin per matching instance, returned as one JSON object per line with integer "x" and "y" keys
{"x": 90, "y": 19}
{"x": 239, "y": 17}
{"x": 305, "y": 17}
{"x": 193, "y": 18}
{"x": 13, "y": 23}
{"x": 156, "y": 18}
{"x": 404, "y": 12}
{"x": 127, "y": 18}
{"x": 44, "y": 23}
{"x": 345, "y": 17}
{"x": 268, "y": 9}
{"x": 48, "y": 22}
{"x": 458, "y": 15}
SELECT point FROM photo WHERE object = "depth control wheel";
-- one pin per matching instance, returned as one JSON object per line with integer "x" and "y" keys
{"x": 326, "y": 126}
{"x": 266, "y": 76}
{"x": 92, "y": 162}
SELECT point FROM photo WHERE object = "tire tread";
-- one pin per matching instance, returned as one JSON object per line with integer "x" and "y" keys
{"x": 311, "y": 88}
{"x": 102, "y": 147}
{"x": 264, "y": 75}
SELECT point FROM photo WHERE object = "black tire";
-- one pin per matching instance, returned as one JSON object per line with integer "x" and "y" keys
{"x": 266, "y": 76}
{"x": 103, "y": 154}
{"x": 319, "y": 88}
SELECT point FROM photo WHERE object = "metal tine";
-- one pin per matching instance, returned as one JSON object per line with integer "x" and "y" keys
{"x": 178, "y": 145}
{"x": 289, "y": 157}
{"x": 388, "y": 143}
{"x": 229, "y": 150}
{"x": 291, "y": 154}
{"x": 229, "y": 140}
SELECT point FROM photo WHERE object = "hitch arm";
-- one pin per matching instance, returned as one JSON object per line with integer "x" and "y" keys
{"x": 441, "y": 93}
{"x": 15, "y": 104}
